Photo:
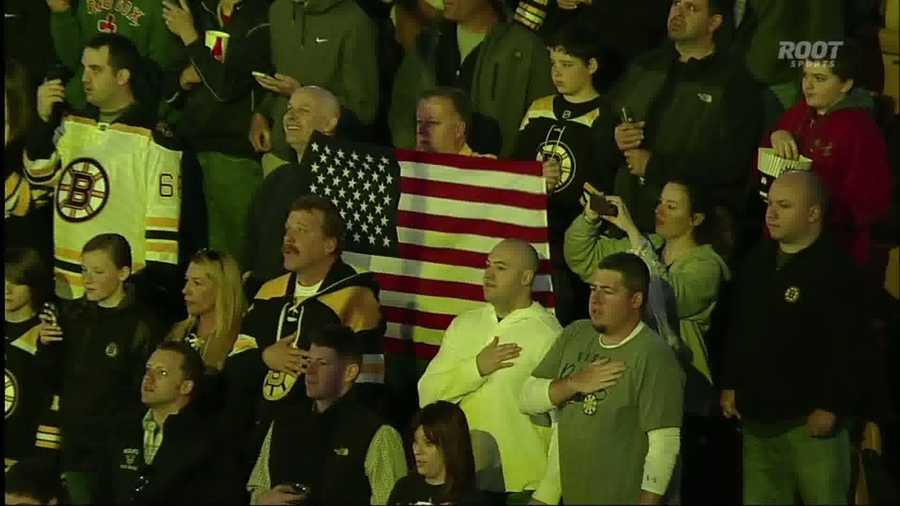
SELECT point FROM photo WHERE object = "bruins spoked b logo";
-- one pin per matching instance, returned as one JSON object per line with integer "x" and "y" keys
{"x": 10, "y": 392}
{"x": 277, "y": 385}
{"x": 556, "y": 149}
{"x": 83, "y": 190}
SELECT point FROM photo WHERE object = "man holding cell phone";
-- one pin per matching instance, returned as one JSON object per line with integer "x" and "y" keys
{"x": 687, "y": 111}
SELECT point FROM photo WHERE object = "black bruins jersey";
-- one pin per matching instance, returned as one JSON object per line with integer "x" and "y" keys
{"x": 30, "y": 408}
{"x": 579, "y": 136}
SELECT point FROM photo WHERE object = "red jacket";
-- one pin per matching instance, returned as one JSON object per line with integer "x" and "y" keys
{"x": 849, "y": 153}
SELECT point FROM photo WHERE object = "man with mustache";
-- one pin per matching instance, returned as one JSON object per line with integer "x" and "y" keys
{"x": 318, "y": 289}
{"x": 690, "y": 112}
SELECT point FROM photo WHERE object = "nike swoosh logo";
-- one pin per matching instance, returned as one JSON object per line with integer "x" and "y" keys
{"x": 320, "y": 40}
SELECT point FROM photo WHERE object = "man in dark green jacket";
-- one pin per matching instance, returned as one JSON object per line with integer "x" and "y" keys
{"x": 694, "y": 114}
{"x": 501, "y": 65}
{"x": 327, "y": 43}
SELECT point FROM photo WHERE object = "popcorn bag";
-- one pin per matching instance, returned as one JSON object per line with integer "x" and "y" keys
{"x": 773, "y": 165}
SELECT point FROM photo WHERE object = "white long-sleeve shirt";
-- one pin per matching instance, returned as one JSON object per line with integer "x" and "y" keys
{"x": 490, "y": 403}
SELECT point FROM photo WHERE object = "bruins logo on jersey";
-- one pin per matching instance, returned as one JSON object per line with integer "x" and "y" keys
{"x": 277, "y": 385}
{"x": 83, "y": 190}
{"x": 10, "y": 392}
{"x": 554, "y": 148}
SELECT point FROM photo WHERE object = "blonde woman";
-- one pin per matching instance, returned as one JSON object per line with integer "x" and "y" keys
{"x": 215, "y": 304}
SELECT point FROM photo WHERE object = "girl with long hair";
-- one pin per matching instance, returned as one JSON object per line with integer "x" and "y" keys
{"x": 444, "y": 461}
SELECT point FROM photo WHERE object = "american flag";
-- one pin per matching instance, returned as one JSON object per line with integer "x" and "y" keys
{"x": 424, "y": 224}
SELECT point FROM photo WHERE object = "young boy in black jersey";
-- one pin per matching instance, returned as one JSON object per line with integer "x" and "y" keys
{"x": 566, "y": 132}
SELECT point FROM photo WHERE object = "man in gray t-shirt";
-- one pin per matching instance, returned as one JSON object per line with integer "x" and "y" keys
{"x": 619, "y": 390}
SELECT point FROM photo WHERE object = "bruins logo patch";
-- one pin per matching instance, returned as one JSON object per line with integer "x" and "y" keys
{"x": 592, "y": 401}
{"x": 10, "y": 393}
{"x": 277, "y": 385}
{"x": 554, "y": 148}
{"x": 83, "y": 190}
{"x": 792, "y": 294}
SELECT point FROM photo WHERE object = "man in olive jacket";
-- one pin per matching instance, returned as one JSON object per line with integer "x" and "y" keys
{"x": 694, "y": 114}
{"x": 501, "y": 65}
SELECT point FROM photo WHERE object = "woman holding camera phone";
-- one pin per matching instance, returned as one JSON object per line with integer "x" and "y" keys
{"x": 685, "y": 253}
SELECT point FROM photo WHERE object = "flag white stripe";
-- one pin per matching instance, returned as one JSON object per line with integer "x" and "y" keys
{"x": 438, "y": 206}
{"x": 491, "y": 179}
{"x": 414, "y": 333}
{"x": 428, "y": 270}
{"x": 430, "y": 304}
{"x": 465, "y": 242}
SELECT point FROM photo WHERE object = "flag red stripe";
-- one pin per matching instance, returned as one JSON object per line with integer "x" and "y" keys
{"x": 415, "y": 317}
{"x": 450, "y": 257}
{"x": 473, "y": 194}
{"x": 392, "y": 345}
{"x": 525, "y": 168}
{"x": 483, "y": 227}
{"x": 436, "y": 288}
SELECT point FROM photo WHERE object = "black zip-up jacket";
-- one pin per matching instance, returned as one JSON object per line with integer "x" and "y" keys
{"x": 216, "y": 112}
{"x": 797, "y": 339}
{"x": 97, "y": 367}
{"x": 190, "y": 467}
{"x": 702, "y": 125}
{"x": 334, "y": 476}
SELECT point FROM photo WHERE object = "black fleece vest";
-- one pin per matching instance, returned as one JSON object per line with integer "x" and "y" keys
{"x": 326, "y": 452}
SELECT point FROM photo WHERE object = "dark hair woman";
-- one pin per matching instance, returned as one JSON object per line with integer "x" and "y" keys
{"x": 444, "y": 462}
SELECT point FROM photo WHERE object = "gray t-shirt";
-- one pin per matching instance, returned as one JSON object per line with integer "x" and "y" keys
{"x": 603, "y": 436}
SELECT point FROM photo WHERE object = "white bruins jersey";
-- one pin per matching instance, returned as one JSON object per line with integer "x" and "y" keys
{"x": 110, "y": 178}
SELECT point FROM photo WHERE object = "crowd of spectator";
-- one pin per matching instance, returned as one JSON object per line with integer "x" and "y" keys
{"x": 721, "y": 223}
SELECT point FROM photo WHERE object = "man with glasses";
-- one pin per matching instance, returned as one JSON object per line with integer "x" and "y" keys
{"x": 168, "y": 454}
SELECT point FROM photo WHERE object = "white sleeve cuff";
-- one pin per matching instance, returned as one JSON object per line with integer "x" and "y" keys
{"x": 534, "y": 398}
{"x": 662, "y": 454}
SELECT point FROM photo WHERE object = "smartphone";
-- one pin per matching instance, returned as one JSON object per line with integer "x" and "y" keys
{"x": 602, "y": 206}
{"x": 301, "y": 490}
{"x": 58, "y": 71}
{"x": 261, "y": 74}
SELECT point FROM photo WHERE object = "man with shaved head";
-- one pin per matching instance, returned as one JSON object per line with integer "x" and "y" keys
{"x": 795, "y": 334}
{"x": 486, "y": 355}
{"x": 310, "y": 109}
